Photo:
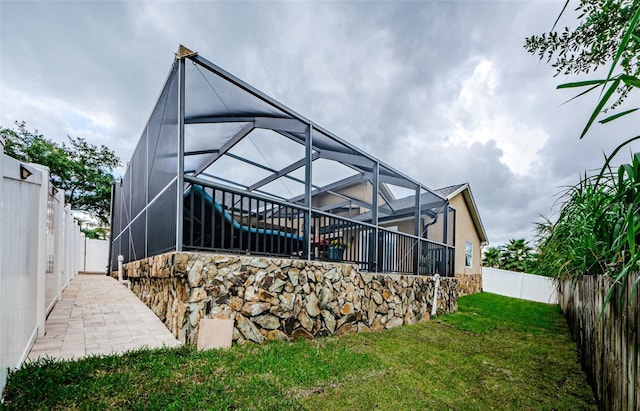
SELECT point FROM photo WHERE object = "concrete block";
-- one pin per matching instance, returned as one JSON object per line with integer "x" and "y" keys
{"x": 215, "y": 333}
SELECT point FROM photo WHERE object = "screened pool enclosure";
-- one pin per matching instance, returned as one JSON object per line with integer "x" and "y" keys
{"x": 220, "y": 166}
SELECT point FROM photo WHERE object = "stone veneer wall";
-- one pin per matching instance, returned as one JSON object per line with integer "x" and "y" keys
{"x": 469, "y": 283}
{"x": 273, "y": 298}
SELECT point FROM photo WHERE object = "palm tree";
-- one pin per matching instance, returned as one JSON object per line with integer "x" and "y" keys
{"x": 491, "y": 257}
{"x": 516, "y": 255}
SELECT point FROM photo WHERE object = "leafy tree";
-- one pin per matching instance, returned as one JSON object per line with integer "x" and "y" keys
{"x": 608, "y": 33}
{"x": 598, "y": 230}
{"x": 81, "y": 169}
{"x": 100, "y": 233}
{"x": 491, "y": 257}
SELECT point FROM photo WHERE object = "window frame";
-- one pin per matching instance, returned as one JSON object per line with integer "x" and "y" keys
{"x": 468, "y": 254}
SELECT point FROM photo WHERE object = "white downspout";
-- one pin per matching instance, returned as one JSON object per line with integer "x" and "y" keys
{"x": 434, "y": 305}
{"x": 120, "y": 279}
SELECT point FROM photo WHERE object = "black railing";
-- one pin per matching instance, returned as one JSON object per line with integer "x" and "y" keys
{"x": 341, "y": 240}
{"x": 222, "y": 219}
{"x": 436, "y": 258}
{"x": 403, "y": 253}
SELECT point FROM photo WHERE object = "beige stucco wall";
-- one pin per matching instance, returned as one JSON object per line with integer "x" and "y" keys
{"x": 435, "y": 232}
{"x": 362, "y": 192}
{"x": 465, "y": 231}
{"x": 405, "y": 226}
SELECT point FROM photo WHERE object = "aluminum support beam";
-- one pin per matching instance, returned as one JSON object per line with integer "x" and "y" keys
{"x": 180, "y": 182}
{"x": 224, "y": 180}
{"x": 335, "y": 155}
{"x": 218, "y": 119}
{"x": 199, "y": 152}
{"x": 355, "y": 201}
{"x": 396, "y": 181}
{"x": 445, "y": 221}
{"x": 228, "y": 145}
{"x": 269, "y": 169}
{"x": 374, "y": 218}
{"x": 453, "y": 243}
{"x": 271, "y": 123}
{"x": 281, "y": 124}
{"x": 329, "y": 187}
{"x": 347, "y": 159}
{"x": 283, "y": 172}
{"x": 417, "y": 230}
{"x": 308, "y": 175}
{"x": 265, "y": 196}
{"x": 347, "y": 201}
{"x": 445, "y": 257}
{"x": 387, "y": 201}
{"x": 334, "y": 206}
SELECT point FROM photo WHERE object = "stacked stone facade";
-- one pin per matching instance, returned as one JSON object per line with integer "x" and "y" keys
{"x": 469, "y": 284}
{"x": 283, "y": 299}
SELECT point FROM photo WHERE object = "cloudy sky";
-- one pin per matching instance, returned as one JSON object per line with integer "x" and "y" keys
{"x": 442, "y": 91}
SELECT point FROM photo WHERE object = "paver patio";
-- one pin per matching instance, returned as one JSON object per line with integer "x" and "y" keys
{"x": 98, "y": 315}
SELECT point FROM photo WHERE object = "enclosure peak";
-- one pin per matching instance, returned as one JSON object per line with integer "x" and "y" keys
{"x": 185, "y": 52}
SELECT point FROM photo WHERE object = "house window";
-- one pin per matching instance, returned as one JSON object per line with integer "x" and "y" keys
{"x": 468, "y": 254}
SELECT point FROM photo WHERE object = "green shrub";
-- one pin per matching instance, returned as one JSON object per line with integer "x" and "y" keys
{"x": 598, "y": 228}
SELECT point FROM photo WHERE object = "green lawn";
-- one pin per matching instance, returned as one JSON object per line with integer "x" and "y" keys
{"x": 495, "y": 353}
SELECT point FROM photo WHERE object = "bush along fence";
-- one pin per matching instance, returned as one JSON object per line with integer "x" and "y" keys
{"x": 38, "y": 243}
{"x": 607, "y": 344}
{"x": 273, "y": 298}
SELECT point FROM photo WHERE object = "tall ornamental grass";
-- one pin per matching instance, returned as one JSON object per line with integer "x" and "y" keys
{"x": 598, "y": 228}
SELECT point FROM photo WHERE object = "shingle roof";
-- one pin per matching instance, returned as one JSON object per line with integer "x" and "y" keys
{"x": 405, "y": 206}
{"x": 446, "y": 191}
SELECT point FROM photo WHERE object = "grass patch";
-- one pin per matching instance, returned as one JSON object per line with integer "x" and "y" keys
{"x": 481, "y": 313}
{"x": 496, "y": 353}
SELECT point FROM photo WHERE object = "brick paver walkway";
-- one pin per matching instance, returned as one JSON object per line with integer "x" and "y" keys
{"x": 98, "y": 315}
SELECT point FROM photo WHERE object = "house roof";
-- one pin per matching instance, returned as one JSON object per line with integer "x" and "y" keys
{"x": 464, "y": 189}
{"x": 404, "y": 207}
{"x": 446, "y": 192}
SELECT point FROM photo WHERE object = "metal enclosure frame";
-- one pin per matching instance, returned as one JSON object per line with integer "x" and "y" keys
{"x": 201, "y": 119}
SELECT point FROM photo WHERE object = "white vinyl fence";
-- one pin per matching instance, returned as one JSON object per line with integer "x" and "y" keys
{"x": 38, "y": 243}
{"x": 94, "y": 256}
{"x": 519, "y": 285}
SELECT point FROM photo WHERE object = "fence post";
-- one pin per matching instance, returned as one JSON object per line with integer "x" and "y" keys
{"x": 58, "y": 227}
{"x": 68, "y": 240}
{"x": 79, "y": 250}
{"x": 3, "y": 316}
{"x": 76, "y": 246}
{"x": 41, "y": 253}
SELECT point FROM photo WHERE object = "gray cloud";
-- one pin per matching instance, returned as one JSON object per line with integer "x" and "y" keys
{"x": 397, "y": 79}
